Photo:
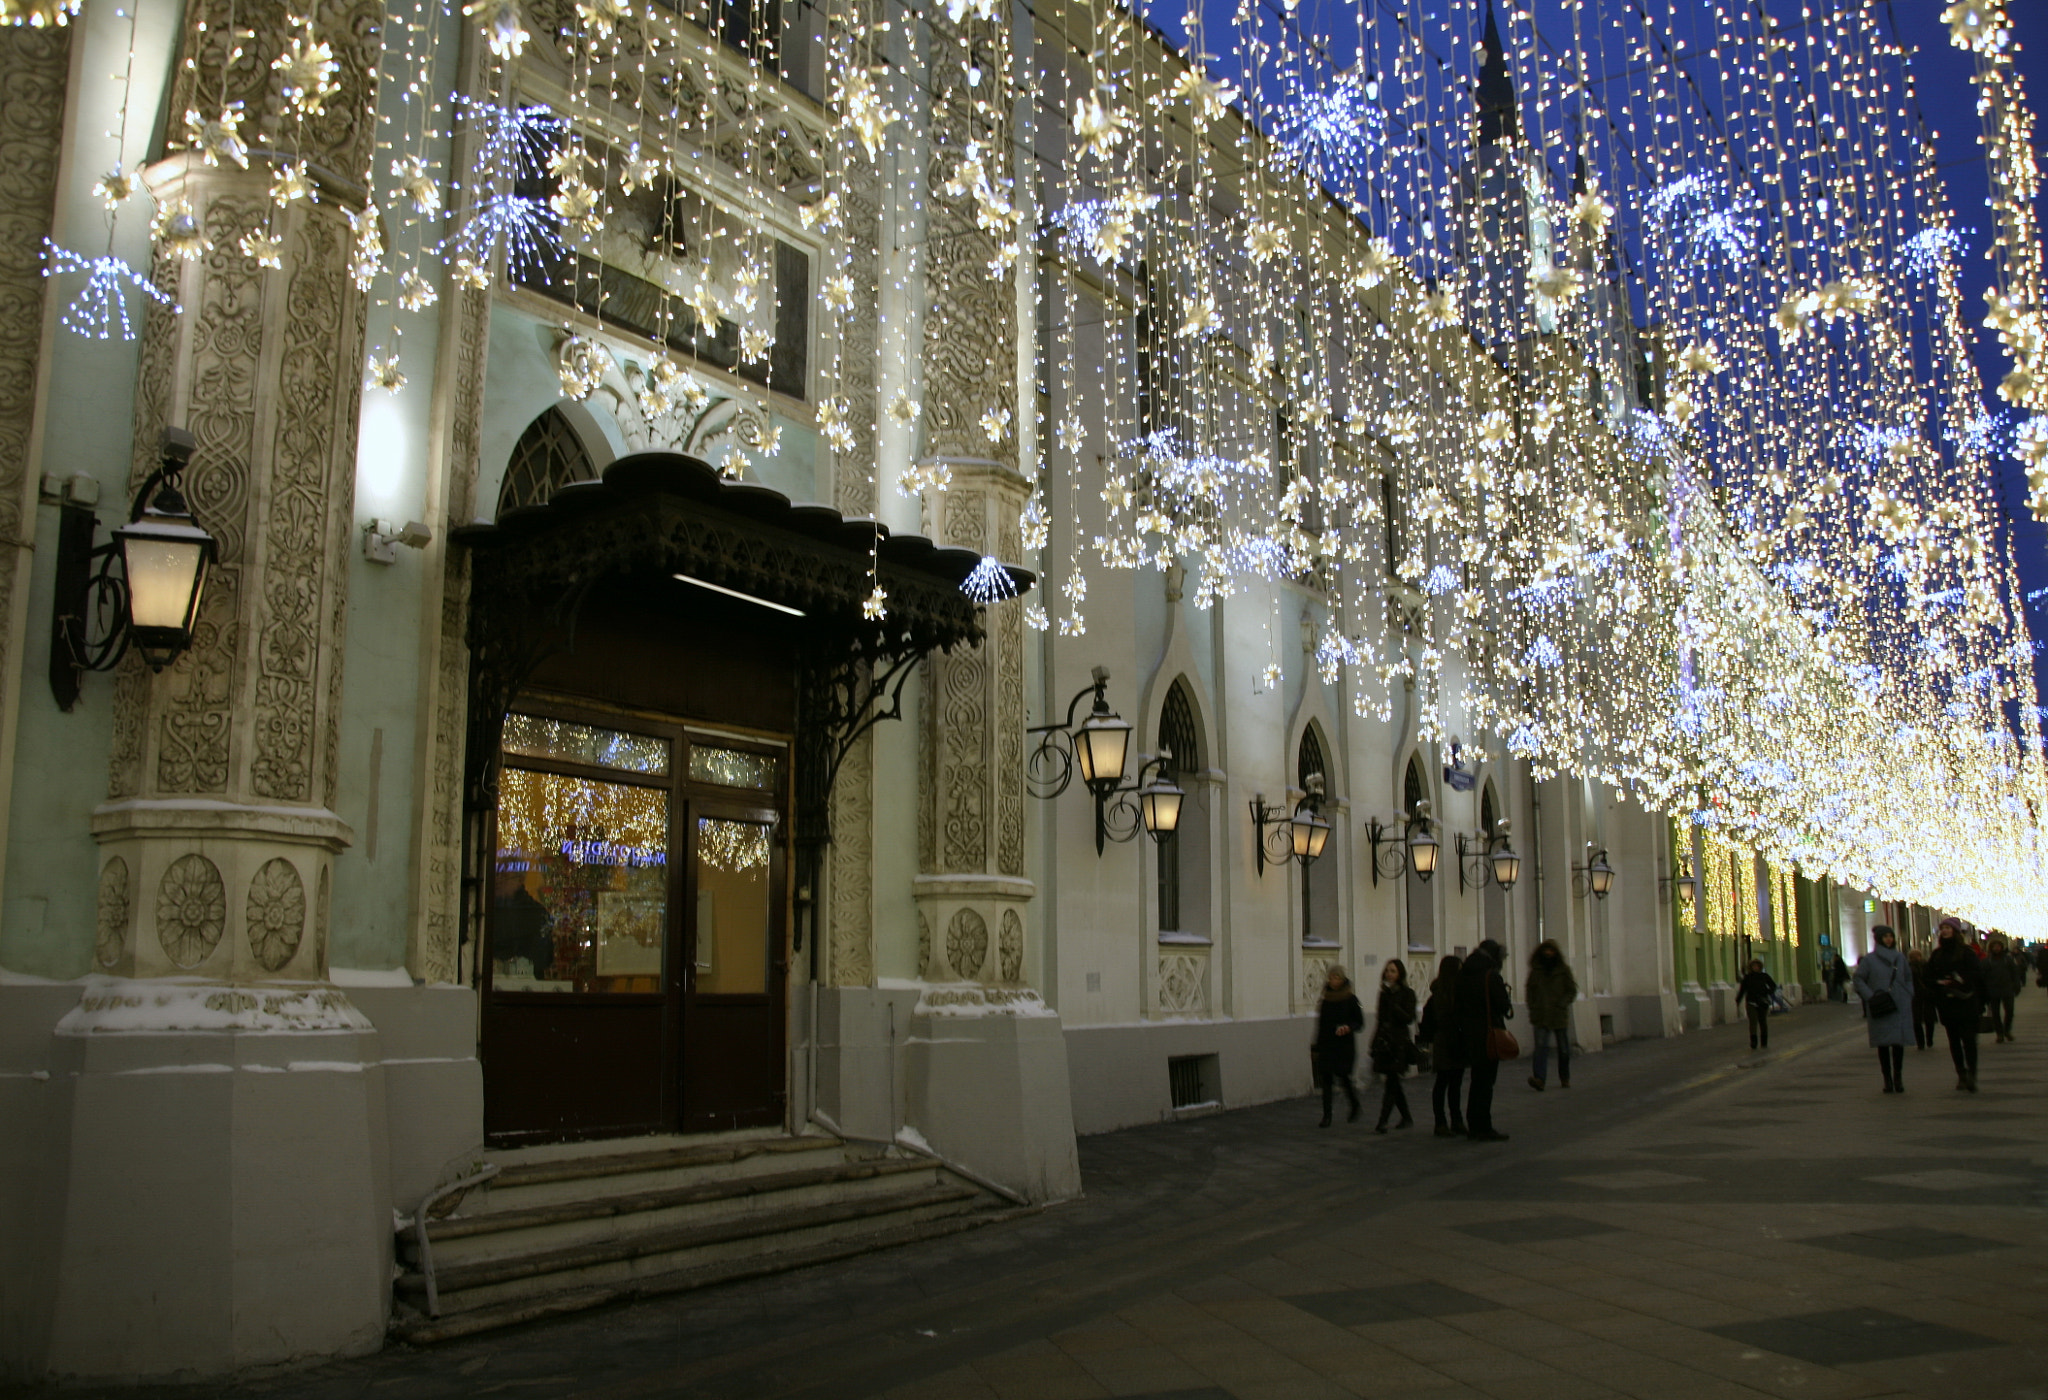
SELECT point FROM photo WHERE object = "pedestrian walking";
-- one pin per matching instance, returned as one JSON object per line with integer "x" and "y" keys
{"x": 1439, "y": 1030}
{"x": 1837, "y": 978}
{"x": 2003, "y": 979}
{"x": 2041, "y": 963}
{"x": 1754, "y": 993}
{"x": 1392, "y": 1044}
{"x": 1958, "y": 977}
{"x": 1338, "y": 1021}
{"x": 1884, "y": 981}
{"x": 1550, "y": 990}
{"x": 1924, "y": 1001}
{"x": 1483, "y": 1008}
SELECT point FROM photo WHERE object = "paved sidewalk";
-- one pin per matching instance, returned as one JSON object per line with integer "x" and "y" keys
{"x": 1689, "y": 1221}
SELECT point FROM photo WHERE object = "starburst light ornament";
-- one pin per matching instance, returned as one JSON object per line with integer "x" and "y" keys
{"x": 292, "y": 181}
{"x": 1206, "y": 98}
{"x": 581, "y": 364}
{"x": 1374, "y": 264}
{"x": 263, "y": 248}
{"x": 415, "y": 292}
{"x": 601, "y": 17}
{"x": 115, "y": 187}
{"x": 1100, "y": 126}
{"x": 382, "y": 372}
{"x": 903, "y": 409}
{"x": 503, "y": 28}
{"x": 178, "y": 230}
{"x": 38, "y": 14}
{"x": 218, "y": 139}
{"x": 1198, "y": 315}
{"x": 866, "y": 113}
{"x": 876, "y": 607}
{"x": 306, "y": 70}
{"x": 100, "y": 310}
{"x": 995, "y": 424}
{"x": 417, "y": 184}
{"x": 989, "y": 582}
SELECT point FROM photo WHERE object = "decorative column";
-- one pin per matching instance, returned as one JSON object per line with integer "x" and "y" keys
{"x": 219, "y": 834}
{"x": 215, "y": 1062}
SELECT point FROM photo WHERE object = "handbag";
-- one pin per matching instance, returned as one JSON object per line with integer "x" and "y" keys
{"x": 1882, "y": 1003}
{"x": 1500, "y": 1041}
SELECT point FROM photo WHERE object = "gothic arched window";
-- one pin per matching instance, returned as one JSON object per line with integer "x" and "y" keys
{"x": 1318, "y": 890}
{"x": 547, "y": 457}
{"x": 1421, "y": 905}
{"x": 1183, "y": 870}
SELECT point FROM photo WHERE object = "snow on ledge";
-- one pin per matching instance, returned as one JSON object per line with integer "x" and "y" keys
{"x": 166, "y": 1006}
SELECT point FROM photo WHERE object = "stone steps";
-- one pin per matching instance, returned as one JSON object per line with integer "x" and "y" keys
{"x": 563, "y": 1229}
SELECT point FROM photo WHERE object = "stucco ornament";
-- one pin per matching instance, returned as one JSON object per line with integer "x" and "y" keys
{"x": 967, "y": 943}
{"x": 191, "y": 910}
{"x": 276, "y": 913}
{"x": 114, "y": 910}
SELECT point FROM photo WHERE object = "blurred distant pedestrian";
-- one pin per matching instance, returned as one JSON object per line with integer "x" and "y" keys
{"x": 1446, "y": 1049}
{"x": 1924, "y": 1000}
{"x": 1392, "y": 1045}
{"x": 1884, "y": 980}
{"x": 1550, "y": 990}
{"x": 1755, "y": 993}
{"x": 1837, "y": 978}
{"x": 1958, "y": 977}
{"x": 2003, "y": 979}
{"x": 1484, "y": 1006}
{"x": 1338, "y": 1021}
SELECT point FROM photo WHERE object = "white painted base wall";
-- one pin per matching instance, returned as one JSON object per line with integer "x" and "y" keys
{"x": 1119, "y": 1073}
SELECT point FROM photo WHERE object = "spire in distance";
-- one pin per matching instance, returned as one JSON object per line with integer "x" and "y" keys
{"x": 1499, "y": 119}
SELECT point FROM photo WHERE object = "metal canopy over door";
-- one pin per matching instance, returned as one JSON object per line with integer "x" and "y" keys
{"x": 662, "y": 603}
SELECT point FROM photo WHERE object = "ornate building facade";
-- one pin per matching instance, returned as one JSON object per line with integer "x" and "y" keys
{"x": 596, "y": 805}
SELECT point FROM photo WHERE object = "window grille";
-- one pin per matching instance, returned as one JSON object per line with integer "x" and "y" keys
{"x": 547, "y": 457}
{"x": 1192, "y": 1079}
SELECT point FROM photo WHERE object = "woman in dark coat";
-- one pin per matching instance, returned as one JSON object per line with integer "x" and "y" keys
{"x": 1958, "y": 977}
{"x": 1883, "y": 975}
{"x": 1392, "y": 1045}
{"x": 1446, "y": 1049}
{"x": 1338, "y": 1021}
{"x": 1550, "y": 990}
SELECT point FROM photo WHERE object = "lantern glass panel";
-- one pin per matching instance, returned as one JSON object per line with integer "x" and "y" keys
{"x": 1309, "y": 835}
{"x": 1422, "y": 854}
{"x": 1099, "y": 746}
{"x": 1507, "y": 867}
{"x": 1160, "y": 806}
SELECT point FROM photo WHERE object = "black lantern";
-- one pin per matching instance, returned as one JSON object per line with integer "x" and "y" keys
{"x": 1300, "y": 835}
{"x": 1415, "y": 849}
{"x": 1096, "y": 749}
{"x": 1596, "y": 876}
{"x": 1684, "y": 884}
{"x": 1488, "y": 857}
{"x": 152, "y": 600}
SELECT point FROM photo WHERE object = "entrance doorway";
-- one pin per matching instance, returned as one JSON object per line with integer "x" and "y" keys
{"x": 636, "y": 942}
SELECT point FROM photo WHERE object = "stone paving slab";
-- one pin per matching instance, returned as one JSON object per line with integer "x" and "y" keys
{"x": 1692, "y": 1222}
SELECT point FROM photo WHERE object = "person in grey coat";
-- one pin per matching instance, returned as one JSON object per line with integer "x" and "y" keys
{"x": 1884, "y": 980}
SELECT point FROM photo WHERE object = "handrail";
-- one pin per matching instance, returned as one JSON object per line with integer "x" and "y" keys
{"x": 419, "y": 1228}
{"x": 922, "y": 1149}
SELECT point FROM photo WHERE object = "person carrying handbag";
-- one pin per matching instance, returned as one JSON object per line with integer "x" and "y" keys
{"x": 1392, "y": 1046}
{"x": 1884, "y": 980}
{"x": 1484, "y": 1007}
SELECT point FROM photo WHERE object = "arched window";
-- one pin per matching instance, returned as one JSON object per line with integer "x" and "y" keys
{"x": 547, "y": 457}
{"x": 1318, "y": 888}
{"x": 1421, "y": 904}
{"x": 1179, "y": 738}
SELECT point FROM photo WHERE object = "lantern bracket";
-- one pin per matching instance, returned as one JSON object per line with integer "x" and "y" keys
{"x": 1595, "y": 876}
{"x": 1273, "y": 825}
{"x": 1480, "y": 857}
{"x": 1389, "y": 858}
{"x": 90, "y": 628}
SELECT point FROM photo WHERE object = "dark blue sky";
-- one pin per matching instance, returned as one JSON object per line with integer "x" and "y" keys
{"x": 1949, "y": 101}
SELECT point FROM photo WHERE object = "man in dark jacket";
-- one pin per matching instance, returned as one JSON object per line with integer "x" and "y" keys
{"x": 1483, "y": 1005}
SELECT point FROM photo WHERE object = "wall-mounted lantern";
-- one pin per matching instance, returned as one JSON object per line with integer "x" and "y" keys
{"x": 1487, "y": 857}
{"x": 1282, "y": 836}
{"x": 1415, "y": 849}
{"x": 1595, "y": 877}
{"x": 142, "y": 588}
{"x": 1096, "y": 749}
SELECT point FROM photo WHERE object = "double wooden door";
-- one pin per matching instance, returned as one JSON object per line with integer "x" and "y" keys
{"x": 636, "y": 968}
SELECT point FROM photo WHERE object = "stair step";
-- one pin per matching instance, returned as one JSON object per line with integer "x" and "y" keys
{"x": 482, "y": 1273}
{"x": 518, "y": 1174}
{"x": 425, "y": 1331}
{"x": 697, "y": 1193}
